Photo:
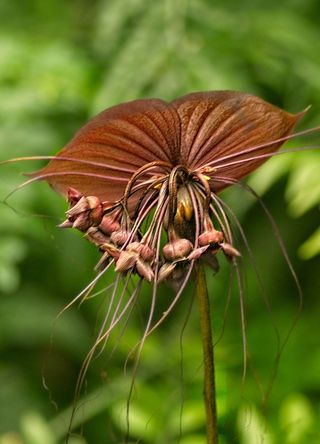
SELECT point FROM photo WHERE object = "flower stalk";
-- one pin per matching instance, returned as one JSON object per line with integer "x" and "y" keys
{"x": 208, "y": 354}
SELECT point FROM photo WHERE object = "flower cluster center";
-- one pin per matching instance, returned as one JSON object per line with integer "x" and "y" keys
{"x": 167, "y": 218}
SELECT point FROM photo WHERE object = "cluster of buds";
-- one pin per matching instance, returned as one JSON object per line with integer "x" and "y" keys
{"x": 161, "y": 165}
{"x": 175, "y": 254}
{"x": 84, "y": 212}
{"x": 138, "y": 256}
{"x": 210, "y": 242}
{"x": 102, "y": 227}
{"x": 181, "y": 207}
{"x": 99, "y": 223}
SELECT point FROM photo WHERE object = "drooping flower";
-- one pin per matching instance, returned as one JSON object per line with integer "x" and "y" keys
{"x": 165, "y": 163}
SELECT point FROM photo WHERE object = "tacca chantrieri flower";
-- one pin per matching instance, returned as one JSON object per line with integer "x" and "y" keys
{"x": 149, "y": 160}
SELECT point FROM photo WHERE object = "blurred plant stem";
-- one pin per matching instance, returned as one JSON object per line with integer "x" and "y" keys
{"x": 208, "y": 355}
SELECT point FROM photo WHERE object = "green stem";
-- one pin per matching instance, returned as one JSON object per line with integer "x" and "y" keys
{"x": 208, "y": 357}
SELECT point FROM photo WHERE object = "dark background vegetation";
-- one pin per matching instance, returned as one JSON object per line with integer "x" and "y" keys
{"x": 60, "y": 63}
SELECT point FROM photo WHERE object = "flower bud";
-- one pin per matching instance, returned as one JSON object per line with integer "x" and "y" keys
{"x": 145, "y": 271}
{"x": 210, "y": 237}
{"x": 108, "y": 224}
{"x": 80, "y": 207}
{"x": 119, "y": 237}
{"x": 134, "y": 246}
{"x": 145, "y": 252}
{"x": 111, "y": 250}
{"x": 82, "y": 222}
{"x": 127, "y": 260}
{"x": 165, "y": 271}
{"x": 177, "y": 249}
{"x": 96, "y": 236}
{"x": 96, "y": 209}
{"x": 197, "y": 253}
{"x": 88, "y": 211}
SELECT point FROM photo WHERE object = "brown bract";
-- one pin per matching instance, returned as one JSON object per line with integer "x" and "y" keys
{"x": 195, "y": 130}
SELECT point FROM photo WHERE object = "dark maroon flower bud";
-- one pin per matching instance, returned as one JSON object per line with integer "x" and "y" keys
{"x": 177, "y": 249}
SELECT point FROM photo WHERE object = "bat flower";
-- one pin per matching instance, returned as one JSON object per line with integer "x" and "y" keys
{"x": 142, "y": 180}
{"x": 146, "y": 167}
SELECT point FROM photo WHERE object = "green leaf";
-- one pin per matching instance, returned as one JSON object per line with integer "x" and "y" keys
{"x": 35, "y": 430}
{"x": 252, "y": 427}
{"x": 311, "y": 247}
{"x": 297, "y": 418}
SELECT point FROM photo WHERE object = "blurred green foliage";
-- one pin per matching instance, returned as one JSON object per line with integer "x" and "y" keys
{"x": 61, "y": 62}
